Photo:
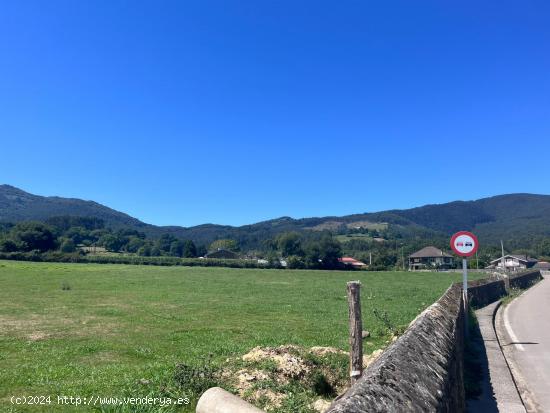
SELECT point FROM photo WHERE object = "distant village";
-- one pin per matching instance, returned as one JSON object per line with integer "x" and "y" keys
{"x": 426, "y": 259}
{"x": 430, "y": 258}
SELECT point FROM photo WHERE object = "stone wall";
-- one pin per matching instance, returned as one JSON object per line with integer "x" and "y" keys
{"x": 421, "y": 371}
{"x": 485, "y": 292}
{"x": 525, "y": 280}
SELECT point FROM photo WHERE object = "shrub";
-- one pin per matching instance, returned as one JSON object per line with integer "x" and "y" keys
{"x": 294, "y": 261}
{"x": 197, "y": 379}
{"x": 68, "y": 246}
{"x": 7, "y": 245}
{"x": 321, "y": 386}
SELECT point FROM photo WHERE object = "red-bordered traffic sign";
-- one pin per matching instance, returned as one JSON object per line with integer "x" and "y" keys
{"x": 464, "y": 243}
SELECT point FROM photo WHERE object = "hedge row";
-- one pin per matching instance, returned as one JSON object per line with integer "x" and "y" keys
{"x": 136, "y": 260}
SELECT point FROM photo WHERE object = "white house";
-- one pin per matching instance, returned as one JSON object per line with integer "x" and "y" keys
{"x": 514, "y": 262}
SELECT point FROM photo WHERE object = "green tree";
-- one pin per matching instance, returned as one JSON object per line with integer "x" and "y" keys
{"x": 289, "y": 243}
{"x": 111, "y": 242}
{"x": 201, "y": 251}
{"x": 8, "y": 245}
{"x": 77, "y": 234}
{"x": 176, "y": 248}
{"x": 189, "y": 249}
{"x": 33, "y": 236}
{"x": 96, "y": 234}
{"x": 68, "y": 246}
{"x": 295, "y": 261}
{"x": 543, "y": 247}
{"x": 164, "y": 243}
{"x": 63, "y": 223}
{"x": 273, "y": 259}
{"x": 134, "y": 244}
{"x": 144, "y": 251}
{"x": 323, "y": 253}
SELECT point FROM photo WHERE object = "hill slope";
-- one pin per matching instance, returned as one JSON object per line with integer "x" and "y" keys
{"x": 503, "y": 216}
{"x": 17, "y": 205}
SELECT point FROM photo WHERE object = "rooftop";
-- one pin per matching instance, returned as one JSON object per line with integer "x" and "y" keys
{"x": 430, "y": 252}
{"x": 351, "y": 261}
{"x": 523, "y": 258}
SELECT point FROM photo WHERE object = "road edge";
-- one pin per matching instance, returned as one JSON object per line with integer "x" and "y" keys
{"x": 503, "y": 337}
{"x": 498, "y": 381}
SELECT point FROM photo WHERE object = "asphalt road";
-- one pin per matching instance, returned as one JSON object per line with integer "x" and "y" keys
{"x": 526, "y": 321}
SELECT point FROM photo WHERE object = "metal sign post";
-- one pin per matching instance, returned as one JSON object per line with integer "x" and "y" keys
{"x": 465, "y": 294}
{"x": 465, "y": 276}
{"x": 465, "y": 244}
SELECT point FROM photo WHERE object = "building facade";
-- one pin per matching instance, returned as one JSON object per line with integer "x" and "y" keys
{"x": 430, "y": 258}
{"x": 514, "y": 263}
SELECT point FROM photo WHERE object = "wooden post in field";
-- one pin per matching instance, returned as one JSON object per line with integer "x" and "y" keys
{"x": 355, "y": 330}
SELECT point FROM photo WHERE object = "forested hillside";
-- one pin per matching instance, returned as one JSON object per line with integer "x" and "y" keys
{"x": 517, "y": 218}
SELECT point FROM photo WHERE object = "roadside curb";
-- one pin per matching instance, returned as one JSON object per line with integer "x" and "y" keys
{"x": 505, "y": 340}
{"x": 499, "y": 379}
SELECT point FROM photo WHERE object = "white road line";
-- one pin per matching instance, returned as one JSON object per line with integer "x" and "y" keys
{"x": 509, "y": 329}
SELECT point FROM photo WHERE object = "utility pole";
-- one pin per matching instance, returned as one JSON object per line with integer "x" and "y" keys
{"x": 403, "y": 257}
{"x": 503, "y": 261}
{"x": 370, "y": 258}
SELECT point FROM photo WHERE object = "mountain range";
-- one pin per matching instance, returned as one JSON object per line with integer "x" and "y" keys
{"x": 519, "y": 216}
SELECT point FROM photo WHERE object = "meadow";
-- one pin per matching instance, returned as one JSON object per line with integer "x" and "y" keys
{"x": 118, "y": 330}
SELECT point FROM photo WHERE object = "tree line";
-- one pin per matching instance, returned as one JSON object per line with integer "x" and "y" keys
{"x": 81, "y": 235}
{"x": 382, "y": 249}
{"x": 70, "y": 234}
{"x": 301, "y": 250}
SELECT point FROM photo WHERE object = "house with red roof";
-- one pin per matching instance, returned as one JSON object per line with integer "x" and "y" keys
{"x": 352, "y": 262}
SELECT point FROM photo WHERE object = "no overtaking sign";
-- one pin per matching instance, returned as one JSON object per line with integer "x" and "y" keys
{"x": 464, "y": 243}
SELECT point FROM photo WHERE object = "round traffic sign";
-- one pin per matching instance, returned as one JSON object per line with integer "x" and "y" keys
{"x": 464, "y": 243}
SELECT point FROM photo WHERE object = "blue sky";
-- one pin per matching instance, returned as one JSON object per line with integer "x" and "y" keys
{"x": 187, "y": 112}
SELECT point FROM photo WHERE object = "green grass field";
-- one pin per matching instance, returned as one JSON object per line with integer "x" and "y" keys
{"x": 114, "y": 325}
{"x": 349, "y": 237}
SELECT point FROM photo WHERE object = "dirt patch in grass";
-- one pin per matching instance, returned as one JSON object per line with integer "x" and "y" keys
{"x": 281, "y": 378}
{"x": 17, "y": 324}
{"x": 39, "y": 327}
{"x": 289, "y": 365}
{"x": 30, "y": 328}
{"x": 38, "y": 335}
